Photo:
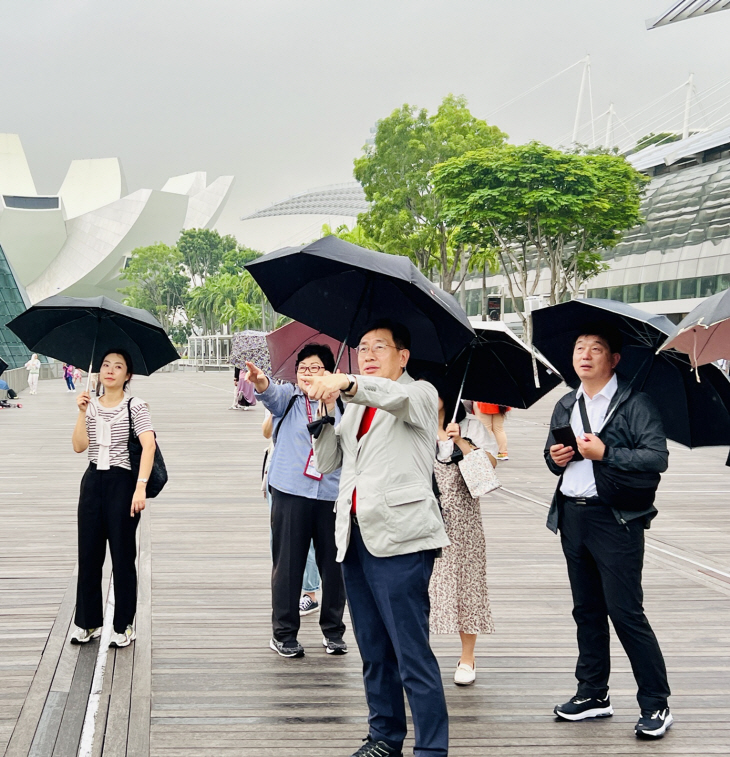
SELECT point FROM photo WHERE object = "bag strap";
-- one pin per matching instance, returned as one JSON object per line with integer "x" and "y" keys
{"x": 293, "y": 399}
{"x": 584, "y": 415}
{"x": 132, "y": 435}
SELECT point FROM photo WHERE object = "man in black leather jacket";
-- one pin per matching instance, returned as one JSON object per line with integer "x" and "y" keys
{"x": 602, "y": 504}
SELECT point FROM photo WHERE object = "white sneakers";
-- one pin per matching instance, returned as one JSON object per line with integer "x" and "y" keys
{"x": 465, "y": 675}
{"x": 123, "y": 639}
{"x": 85, "y": 635}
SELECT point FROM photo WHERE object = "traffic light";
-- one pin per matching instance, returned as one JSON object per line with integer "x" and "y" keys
{"x": 494, "y": 308}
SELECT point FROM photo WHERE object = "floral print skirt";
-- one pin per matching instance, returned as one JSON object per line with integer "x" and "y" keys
{"x": 458, "y": 589}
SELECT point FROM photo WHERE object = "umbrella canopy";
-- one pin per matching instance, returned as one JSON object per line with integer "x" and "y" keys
{"x": 3, "y": 366}
{"x": 704, "y": 334}
{"x": 693, "y": 414}
{"x": 337, "y": 288}
{"x": 285, "y": 343}
{"x": 497, "y": 367}
{"x": 250, "y": 346}
{"x": 80, "y": 331}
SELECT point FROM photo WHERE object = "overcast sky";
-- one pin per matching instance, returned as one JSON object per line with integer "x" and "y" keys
{"x": 282, "y": 93}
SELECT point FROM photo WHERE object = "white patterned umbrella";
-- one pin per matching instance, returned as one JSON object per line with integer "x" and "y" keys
{"x": 250, "y": 346}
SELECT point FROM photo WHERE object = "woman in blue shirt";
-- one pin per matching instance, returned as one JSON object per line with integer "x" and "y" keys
{"x": 302, "y": 508}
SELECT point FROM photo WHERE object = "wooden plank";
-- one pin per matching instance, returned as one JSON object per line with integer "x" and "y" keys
{"x": 117, "y": 724}
{"x": 35, "y": 700}
{"x": 69, "y": 734}
{"x": 49, "y": 724}
{"x": 141, "y": 687}
{"x": 102, "y": 714}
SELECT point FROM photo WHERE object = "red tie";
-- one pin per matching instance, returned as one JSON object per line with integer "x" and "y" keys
{"x": 365, "y": 423}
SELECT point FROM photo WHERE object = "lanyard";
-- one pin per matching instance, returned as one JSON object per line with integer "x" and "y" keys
{"x": 309, "y": 409}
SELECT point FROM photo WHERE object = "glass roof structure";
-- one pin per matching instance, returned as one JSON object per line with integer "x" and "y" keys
{"x": 12, "y": 350}
{"x": 685, "y": 208}
{"x": 684, "y": 9}
{"x": 335, "y": 200}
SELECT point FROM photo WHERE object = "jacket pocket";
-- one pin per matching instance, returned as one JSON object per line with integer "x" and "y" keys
{"x": 405, "y": 495}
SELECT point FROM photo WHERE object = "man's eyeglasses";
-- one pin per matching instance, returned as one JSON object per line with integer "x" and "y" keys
{"x": 310, "y": 370}
{"x": 377, "y": 349}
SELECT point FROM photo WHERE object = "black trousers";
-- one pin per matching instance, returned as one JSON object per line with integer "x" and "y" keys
{"x": 389, "y": 606}
{"x": 104, "y": 506}
{"x": 605, "y": 560}
{"x": 295, "y": 521}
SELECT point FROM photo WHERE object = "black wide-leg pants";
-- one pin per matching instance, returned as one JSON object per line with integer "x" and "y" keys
{"x": 104, "y": 506}
{"x": 295, "y": 522}
{"x": 605, "y": 560}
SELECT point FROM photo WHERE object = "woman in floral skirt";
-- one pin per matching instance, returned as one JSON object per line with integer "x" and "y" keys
{"x": 458, "y": 589}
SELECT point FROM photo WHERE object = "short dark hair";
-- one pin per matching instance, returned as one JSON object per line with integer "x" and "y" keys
{"x": 606, "y": 331}
{"x": 127, "y": 361}
{"x": 401, "y": 335}
{"x": 322, "y": 351}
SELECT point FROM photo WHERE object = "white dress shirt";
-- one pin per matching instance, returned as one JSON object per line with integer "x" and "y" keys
{"x": 578, "y": 479}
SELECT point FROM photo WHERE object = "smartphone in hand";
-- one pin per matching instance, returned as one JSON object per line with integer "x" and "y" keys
{"x": 564, "y": 435}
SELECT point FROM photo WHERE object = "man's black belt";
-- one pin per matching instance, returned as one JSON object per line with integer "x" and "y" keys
{"x": 585, "y": 500}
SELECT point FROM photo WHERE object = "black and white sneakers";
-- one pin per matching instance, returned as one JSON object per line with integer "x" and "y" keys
{"x": 287, "y": 648}
{"x": 307, "y": 605}
{"x": 582, "y": 708}
{"x": 373, "y": 748}
{"x": 334, "y": 646}
{"x": 653, "y": 724}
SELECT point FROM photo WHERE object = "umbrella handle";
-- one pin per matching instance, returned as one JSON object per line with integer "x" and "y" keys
{"x": 461, "y": 388}
{"x": 93, "y": 350}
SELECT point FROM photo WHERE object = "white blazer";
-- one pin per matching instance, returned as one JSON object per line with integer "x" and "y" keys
{"x": 391, "y": 467}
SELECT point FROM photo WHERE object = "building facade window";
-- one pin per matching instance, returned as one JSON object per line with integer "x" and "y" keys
{"x": 660, "y": 291}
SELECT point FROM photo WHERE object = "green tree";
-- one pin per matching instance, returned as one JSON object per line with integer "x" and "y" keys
{"x": 234, "y": 260}
{"x": 203, "y": 251}
{"x": 662, "y": 138}
{"x": 157, "y": 282}
{"x": 541, "y": 209}
{"x": 406, "y": 216}
{"x": 355, "y": 235}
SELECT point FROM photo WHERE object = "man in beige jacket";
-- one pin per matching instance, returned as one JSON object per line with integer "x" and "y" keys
{"x": 388, "y": 532}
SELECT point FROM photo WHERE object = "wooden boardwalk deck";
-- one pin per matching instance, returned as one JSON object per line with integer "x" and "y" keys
{"x": 208, "y": 684}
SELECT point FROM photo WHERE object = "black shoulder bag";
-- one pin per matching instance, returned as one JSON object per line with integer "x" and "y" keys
{"x": 158, "y": 474}
{"x": 624, "y": 490}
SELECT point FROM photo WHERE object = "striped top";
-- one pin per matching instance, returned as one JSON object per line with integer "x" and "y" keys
{"x": 118, "y": 418}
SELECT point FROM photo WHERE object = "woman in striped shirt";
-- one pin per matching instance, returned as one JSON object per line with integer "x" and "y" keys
{"x": 111, "y": 499}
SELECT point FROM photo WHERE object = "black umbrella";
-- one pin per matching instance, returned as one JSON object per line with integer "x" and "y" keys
{"x": 338, "y": 288}
{"x": 80, "y": 331}
{"x": 497, "y": 367}
{"x": 694, "y": 414}
{"x": 3, "y": 366}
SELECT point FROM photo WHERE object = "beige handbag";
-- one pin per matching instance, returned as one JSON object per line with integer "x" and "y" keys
{"x": 478, "y": 473}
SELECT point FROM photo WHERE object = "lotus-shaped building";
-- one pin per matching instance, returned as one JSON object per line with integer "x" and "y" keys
{"x": 77, "y": 242}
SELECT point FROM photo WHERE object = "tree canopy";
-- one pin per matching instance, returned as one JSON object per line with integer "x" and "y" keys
{"x": 200, "y": 282}
{"x": 540, "y": 208}
{"x": 406, "y": 216}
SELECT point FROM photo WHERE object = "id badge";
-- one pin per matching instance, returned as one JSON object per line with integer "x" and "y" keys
{"x": 309, "y": 470}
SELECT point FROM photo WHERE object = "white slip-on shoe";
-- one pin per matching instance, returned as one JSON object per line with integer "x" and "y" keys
{"x": 465, "y": 675}
{"x": 85, "y": 635}
{"x": 123, "y": 639}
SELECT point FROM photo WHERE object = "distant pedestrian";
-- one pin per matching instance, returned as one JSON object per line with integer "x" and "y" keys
{"x": 602, "y": 504}
{"x": 33, "y": 366}
{"x": 458, "y": 589}
{"x": 302, "y": 506}
{"x": 77, "y": 376}
{"x": 111, "y": 499}
{"x": 492, "y": 416}
{"x": 389, "y": 531}
{"x": 68, "y": 375}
